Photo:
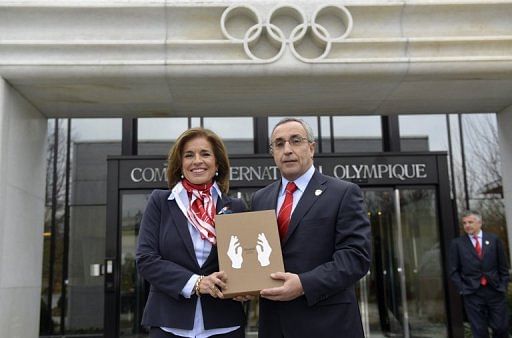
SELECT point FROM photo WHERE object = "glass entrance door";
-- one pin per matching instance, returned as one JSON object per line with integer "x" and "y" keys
{"x": 402, "y": 296}
{"x": 133, "y": 288}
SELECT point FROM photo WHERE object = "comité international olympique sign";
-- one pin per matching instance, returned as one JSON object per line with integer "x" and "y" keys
{"x": 259, "y": 170}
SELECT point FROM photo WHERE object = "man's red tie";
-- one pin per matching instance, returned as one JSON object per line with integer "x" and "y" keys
{"x": 283, "y": 218}
{"x": 478, "y": 248}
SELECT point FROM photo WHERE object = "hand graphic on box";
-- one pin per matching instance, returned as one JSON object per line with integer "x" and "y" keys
{"x": 264, "y": 250}
{"x": 235, "y": 253}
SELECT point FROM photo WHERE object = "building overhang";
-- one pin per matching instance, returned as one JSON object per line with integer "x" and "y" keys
{"x": 188, "y": 58}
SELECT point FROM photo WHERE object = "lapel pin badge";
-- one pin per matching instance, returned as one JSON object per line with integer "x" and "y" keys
{"x": 318, "y": 192}
{"x": 486, "y": 242}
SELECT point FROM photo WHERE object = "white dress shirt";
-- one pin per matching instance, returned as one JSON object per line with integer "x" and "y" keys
{"x": 473, "y": 240}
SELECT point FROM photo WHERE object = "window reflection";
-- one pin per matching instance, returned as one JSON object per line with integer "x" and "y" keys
{"x": 236, "y": 132}
{"x": 431, "y": 128}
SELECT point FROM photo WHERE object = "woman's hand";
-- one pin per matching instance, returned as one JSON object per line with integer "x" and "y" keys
{"x": 213, "y": 284}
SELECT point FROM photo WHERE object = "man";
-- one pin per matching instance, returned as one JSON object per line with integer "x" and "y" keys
{"x": 479, "y": 270}
{"x": 325, "y": 238}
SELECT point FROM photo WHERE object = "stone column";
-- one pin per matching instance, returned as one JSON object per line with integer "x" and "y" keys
{"x": 504, "y": 123}
{"x": 22, "y": 193}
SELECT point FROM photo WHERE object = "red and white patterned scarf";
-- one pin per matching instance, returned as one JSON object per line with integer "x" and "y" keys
{"x": 201, "y": 210}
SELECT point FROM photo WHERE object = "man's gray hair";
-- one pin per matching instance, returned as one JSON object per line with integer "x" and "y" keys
{"x": 309, "y": 132}
{"x": 467, "y": 213}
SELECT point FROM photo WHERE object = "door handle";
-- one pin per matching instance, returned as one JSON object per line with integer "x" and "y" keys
{"x": 96, "y": 270}
{"x": 109, "y": 263}
{"x": 109, "y": 275}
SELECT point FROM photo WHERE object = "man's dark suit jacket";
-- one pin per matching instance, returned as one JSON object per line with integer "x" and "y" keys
{"x": 166, "y": 259}
{"x": 328, "y": 246}
{"x": 466, "y": 268}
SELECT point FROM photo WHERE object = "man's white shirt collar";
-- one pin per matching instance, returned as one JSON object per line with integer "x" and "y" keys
{"x": 479, "y": 235}
{"x": 301, "y": 182}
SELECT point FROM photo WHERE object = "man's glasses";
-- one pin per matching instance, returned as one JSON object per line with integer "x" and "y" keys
{"x": 294, "y": 141}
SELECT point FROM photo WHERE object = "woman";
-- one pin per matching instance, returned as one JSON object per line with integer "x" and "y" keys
{"x": 176, "y": 251}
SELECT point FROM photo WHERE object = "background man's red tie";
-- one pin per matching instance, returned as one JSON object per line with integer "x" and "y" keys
{"x": 478, "y": 248}
{"x": 283, "y": 218}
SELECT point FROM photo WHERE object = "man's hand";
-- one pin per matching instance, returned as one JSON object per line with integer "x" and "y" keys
{"x": 291, "y": 289}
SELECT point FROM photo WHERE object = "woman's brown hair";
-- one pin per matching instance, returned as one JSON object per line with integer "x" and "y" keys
{"x": 174, "y": 159}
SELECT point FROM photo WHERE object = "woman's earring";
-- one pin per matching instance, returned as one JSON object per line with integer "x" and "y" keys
{"x": 182, "y": 176}
{"x": 216, "y": 173}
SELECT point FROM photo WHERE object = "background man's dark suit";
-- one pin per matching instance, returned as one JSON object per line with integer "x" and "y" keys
{"x": 166, "y": 259}
{"x": 466, "y": 269}
{"x": 328, "y": 246}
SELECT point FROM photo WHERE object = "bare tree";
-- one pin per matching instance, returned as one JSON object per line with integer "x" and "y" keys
{"x": 53, "y": 265}
{"x": 61, "y": 173}
{"x": 483, "y": 167}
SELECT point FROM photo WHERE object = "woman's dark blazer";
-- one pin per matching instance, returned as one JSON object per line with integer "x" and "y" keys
{"x": 166, "y": 259}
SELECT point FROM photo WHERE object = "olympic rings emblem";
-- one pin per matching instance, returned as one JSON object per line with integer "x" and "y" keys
{"x": 266, "y": 39}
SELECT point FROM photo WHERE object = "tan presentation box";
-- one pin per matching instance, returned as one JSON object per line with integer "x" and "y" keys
{"x": 249, "y": 251}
